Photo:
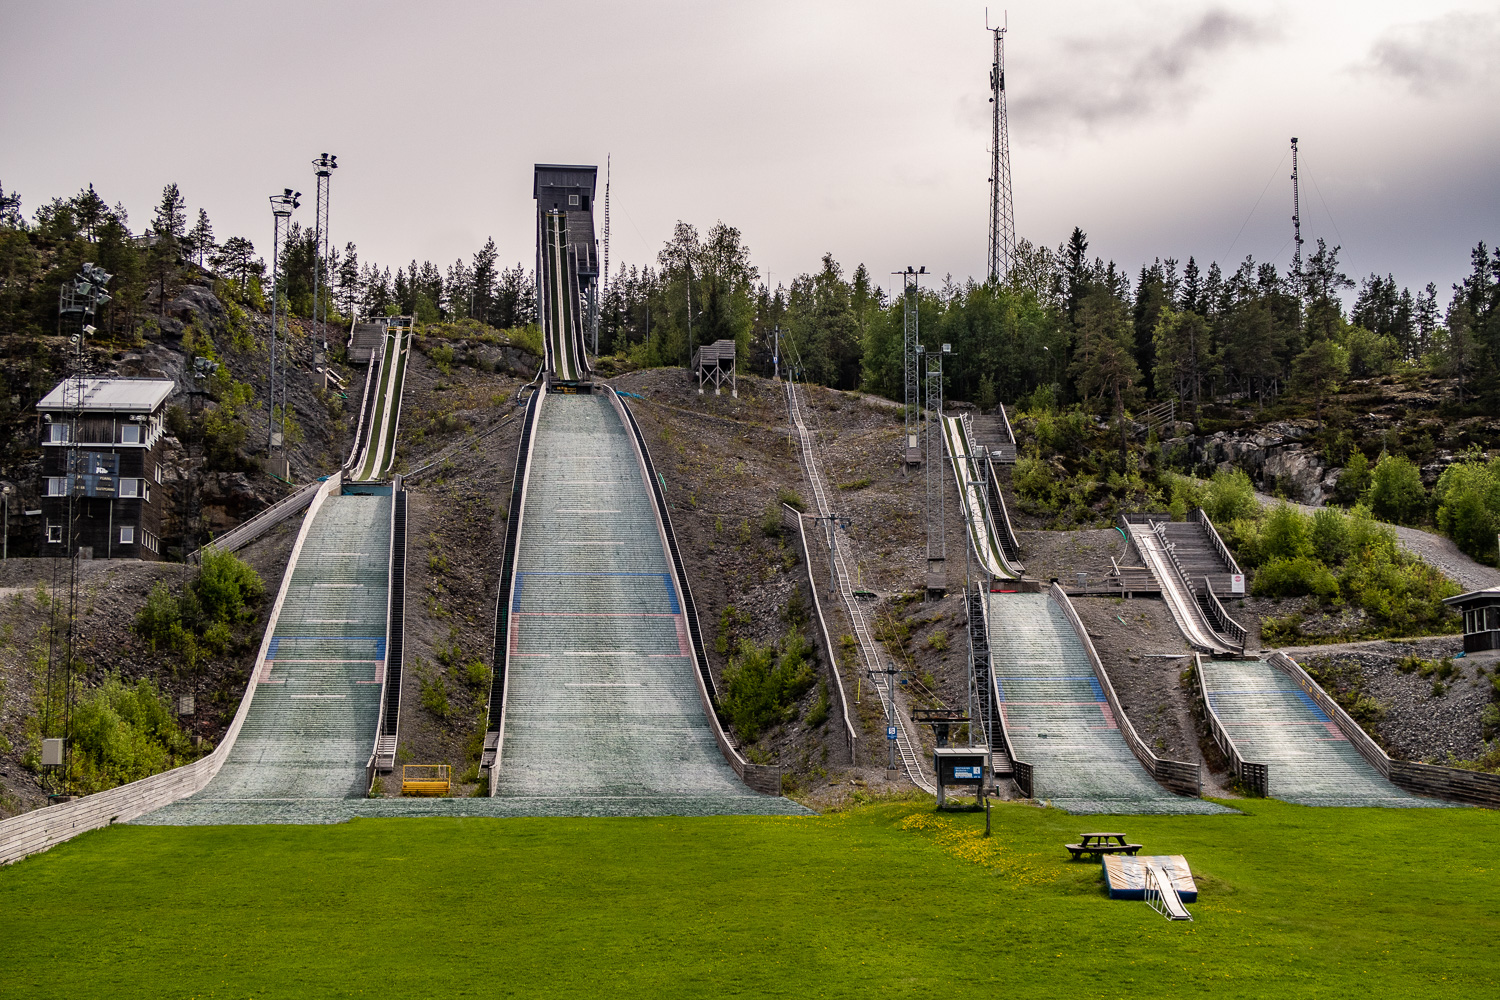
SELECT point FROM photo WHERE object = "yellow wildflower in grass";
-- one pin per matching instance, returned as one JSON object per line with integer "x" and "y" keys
{"x": 968, "y": 843}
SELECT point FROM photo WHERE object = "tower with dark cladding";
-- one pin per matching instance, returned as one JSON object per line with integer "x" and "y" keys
{"x": 569, "y": 189}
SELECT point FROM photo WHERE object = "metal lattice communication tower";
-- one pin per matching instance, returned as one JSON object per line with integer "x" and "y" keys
{"x": 1002, "y": 254}
{"x": 324, "y": 166}
{"x": 911, "y": 345}
{"x": 1296, "y": 221}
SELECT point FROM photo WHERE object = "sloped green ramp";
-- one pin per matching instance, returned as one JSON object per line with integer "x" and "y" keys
{"x": 1058, "y": 720}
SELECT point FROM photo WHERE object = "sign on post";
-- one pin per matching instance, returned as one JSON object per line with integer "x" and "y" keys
{"x": 1237, "y": 583}
{"x": 890, "y": 732}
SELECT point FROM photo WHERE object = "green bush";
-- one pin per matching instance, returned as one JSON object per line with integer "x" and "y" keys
{"x": 1354, "y": 480}
{"x": 1468, "y": 505}
{"x": 1295, "y": 577}
{"x": 122, "y": 732}
{"x": 1396, "y": 491}
{"x": 1286, "y": 534}
{"x": 818, "y": 714}
{"x": 226, "y": 585}
{"x": 1034, "y": 480}
{"x": 1229, "y": 495}
{"x": 1331, "y": 536}
{"x": 793, "y": 499}
{"x": 763, "y": 684}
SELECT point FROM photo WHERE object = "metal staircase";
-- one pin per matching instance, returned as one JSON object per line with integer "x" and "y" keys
{"x": 990, "y": 724}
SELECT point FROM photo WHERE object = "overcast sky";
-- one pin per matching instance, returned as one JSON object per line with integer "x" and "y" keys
{"x": 1161, "y": 128}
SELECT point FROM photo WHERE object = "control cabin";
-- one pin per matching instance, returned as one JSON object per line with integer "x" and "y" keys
{"x": 102, "y": 447}
{"x": 1481, "y": 611}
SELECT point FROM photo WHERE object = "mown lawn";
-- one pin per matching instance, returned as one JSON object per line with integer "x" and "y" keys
{"x": 867, "y": 903}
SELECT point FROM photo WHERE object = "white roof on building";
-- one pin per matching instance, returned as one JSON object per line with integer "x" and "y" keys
{"x": 131, "y": 395}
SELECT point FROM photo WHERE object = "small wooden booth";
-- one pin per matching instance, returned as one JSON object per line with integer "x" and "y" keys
{"x": 1481, "y": 611}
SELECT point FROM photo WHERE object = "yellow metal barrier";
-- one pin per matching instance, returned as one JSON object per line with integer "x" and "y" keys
{"x": 425, "y": 779}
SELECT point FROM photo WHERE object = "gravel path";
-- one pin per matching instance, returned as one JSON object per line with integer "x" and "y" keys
{"x": 1430, "y": 548}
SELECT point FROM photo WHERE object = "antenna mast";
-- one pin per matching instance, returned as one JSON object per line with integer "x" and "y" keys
{"x": 1002, "y": 253}
{"x": 1296, "y": 221}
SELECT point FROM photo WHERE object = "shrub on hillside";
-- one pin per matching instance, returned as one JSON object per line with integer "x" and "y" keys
{"x": 763, "y": 684}
{"x": 1468, "y": 505}
{"x": 121, "y": 732}
{"x": 1354, "y": 480}
{"x": 1295, "y": 577}
{"x": 1396, "y": 492}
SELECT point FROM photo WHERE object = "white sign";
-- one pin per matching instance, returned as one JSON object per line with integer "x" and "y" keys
{"x": 1237, "y": 583}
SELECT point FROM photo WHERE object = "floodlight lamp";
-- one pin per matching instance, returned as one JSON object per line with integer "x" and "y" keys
{"x": 89, "y": 331}
{"x": 947, "y": 348}
{"x": 921, "y": 349}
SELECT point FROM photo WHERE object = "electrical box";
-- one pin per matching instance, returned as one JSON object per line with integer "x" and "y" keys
{"x": 52, "y": 753}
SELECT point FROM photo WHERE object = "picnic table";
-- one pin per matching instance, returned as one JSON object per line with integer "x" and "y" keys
{"x": 1099, "y": 844}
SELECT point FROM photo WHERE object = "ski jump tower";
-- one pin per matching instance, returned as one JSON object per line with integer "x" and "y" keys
{"x": 569, "y": 191}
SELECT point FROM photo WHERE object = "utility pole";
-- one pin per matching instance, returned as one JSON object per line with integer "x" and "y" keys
{"x": 776, "y": 353}
{"x": 1002, "y": 254}
{"x": 324, "y": 166}
{"x": 1296, "y": 226}
{"x": 892, "y": 727}
{"x": 911, "y": 341}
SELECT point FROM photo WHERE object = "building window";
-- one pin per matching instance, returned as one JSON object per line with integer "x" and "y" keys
{"x": 158, "y": 473}
{"x": 57, "y": 486}
{"x": 130, "y": 434}
{"x": 54, "y": 533}
{"x": 127, "y": 535}
{"x": 57, "y": 433}
{"x": 146, "y": 490}
{"x": 129, "y": 488}
{"x": 572, "y": 200}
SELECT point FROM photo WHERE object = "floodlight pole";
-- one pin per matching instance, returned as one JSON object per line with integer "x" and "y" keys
{"x": 281, "y": 209}
{"x": 323, "y": 167}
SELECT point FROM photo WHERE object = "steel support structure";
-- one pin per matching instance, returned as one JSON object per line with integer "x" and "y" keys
{"x": 281, "y": 210}
{"x": 911, "y": 345}
{"x": 1296, "y": 224}
{"x": 323, "y": 166}
{"x": 1002, "y": 255}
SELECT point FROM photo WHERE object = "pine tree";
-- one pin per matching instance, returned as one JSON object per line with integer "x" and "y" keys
{"x": 483, "y": 276}
{"x": 169, "y": 228}
{"x": 200, "y": 241}
{"x": 349, "y": 289}
{"x": 1103, "y": 364}
{"x": 236, "y": 260}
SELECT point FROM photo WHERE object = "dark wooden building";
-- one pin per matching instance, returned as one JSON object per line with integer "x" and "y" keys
{"x": 101, "y": 453}
{"x": 1481, "y": 611}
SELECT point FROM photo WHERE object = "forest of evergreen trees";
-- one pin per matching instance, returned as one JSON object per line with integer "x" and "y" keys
{"x": 1073, "y": 327}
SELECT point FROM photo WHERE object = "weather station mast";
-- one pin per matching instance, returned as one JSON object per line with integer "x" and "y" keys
{"x": 1002, "y": 255}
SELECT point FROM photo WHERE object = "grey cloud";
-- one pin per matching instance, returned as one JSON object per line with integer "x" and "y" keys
{"x": 1433, "y": 56}
{"x": 1102, "y": 80}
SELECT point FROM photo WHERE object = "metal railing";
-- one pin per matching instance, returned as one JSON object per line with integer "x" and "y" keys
{"x": 1214, "y": 541}
{"x": 844, "y": 580}
{"x": 791, "y": 518}
{"x": 495, "y": 718}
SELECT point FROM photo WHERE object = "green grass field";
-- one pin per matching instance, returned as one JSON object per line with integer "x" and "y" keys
{"x": 886, "y": 900}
